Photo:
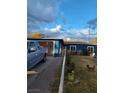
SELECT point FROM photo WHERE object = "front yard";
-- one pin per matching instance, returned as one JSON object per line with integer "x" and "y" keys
{"x": 80, "y": 79}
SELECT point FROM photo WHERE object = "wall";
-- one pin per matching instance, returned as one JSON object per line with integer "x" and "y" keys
{"x": 82, "y": 48}
{"x": 49, "y": 46}
{"x": 54, "y": 47}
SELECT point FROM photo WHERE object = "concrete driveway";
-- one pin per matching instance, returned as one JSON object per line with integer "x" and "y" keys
{"x": 43, "y": 75}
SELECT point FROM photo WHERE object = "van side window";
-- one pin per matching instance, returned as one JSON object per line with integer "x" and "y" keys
{"x": 31, "y": 47}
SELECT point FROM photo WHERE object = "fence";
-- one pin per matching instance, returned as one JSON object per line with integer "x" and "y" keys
{"x": 61, "y": 85}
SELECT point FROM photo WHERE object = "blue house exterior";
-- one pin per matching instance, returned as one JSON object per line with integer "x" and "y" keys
{"x": 56, "y": 47}
{"x": 83, "y": 48}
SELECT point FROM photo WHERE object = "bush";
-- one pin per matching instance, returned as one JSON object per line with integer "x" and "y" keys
{"x": 69, "y": 70}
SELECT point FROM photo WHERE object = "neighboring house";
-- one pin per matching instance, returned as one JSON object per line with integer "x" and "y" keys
{"x": 54, "y": 47}
{"x": 81, "y": 48}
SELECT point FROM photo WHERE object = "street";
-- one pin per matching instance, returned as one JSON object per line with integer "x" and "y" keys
{"x": 43, "y": 75}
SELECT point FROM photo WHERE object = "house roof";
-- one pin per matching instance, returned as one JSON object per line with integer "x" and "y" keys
{"x": 47, "y": 40}
{"x": 77, "y": 42}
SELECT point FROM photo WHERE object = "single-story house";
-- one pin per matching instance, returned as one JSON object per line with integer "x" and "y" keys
{"x": 80, "y": 48}
{"x": 54, "y": 47}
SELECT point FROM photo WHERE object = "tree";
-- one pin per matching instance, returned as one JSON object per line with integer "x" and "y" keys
{"x": 37, "y": 35}
{"x": 95, "y": 40}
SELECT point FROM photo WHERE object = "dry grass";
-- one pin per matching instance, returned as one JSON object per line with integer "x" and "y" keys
{"x": 55, "y": 84}
{"x": 87, "y": 79}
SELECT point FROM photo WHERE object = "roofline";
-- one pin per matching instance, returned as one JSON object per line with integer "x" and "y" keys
{"x": 79, "y": 43}
{"x": 45, "y": 39}
{"x": 42, "y": 39}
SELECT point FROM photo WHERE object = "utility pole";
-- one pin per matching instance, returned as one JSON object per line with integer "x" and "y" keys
{"x": 89, "y": 35}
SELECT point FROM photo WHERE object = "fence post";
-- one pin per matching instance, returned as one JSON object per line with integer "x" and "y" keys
{"x": 61, "y": 85}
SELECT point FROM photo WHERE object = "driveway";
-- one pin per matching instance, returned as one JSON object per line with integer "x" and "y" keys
{"x": 39, "y": 82}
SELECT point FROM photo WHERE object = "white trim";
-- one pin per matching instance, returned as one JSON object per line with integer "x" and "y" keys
{"x": 53, "y": 48}
{"x": 73, "y": 46}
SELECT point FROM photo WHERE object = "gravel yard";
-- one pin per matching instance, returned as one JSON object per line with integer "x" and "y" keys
{"x": 83, "y": 79}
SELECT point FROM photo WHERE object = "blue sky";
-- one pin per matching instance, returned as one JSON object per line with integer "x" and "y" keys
{"x": 62, "y": 18}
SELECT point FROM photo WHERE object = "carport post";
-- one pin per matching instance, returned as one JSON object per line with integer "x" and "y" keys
{"x": 62, "y": 75}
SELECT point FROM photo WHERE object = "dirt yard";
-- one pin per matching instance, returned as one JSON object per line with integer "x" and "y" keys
{"x": 82, "y": 79}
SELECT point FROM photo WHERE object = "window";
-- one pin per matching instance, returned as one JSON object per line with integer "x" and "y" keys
{"x": 31, "y": 47}
{"x": 73, "y": 48}
{"x": 90, "y": 49}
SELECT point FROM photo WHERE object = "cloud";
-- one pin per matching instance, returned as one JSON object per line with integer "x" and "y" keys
{"x": 57, "y": 29}
{"x": 42, "y": 10}
{"x": 73, "y": 33}
{"x": 59, "y": 32}
{"x": 85, "y": 31}
{"x": 92, "y": 23}
{"x": 79, "y": 34}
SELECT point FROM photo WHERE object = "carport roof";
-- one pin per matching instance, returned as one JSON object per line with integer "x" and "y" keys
{"x": 43, "y": 39}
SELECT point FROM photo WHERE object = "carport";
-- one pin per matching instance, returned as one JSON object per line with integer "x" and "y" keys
{"x": 54, "y": 47}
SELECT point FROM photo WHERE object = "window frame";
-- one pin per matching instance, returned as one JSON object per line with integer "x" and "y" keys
{"x": 89, "y": 48}
{"x": 75, "y": 47}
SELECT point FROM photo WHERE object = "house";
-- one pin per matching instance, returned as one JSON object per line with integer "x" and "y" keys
{"x": 54, "y": 47}
{"x": 83, "y": 48}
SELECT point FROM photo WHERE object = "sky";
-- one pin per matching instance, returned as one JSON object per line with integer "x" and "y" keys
{"x": 63, "y": 18}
